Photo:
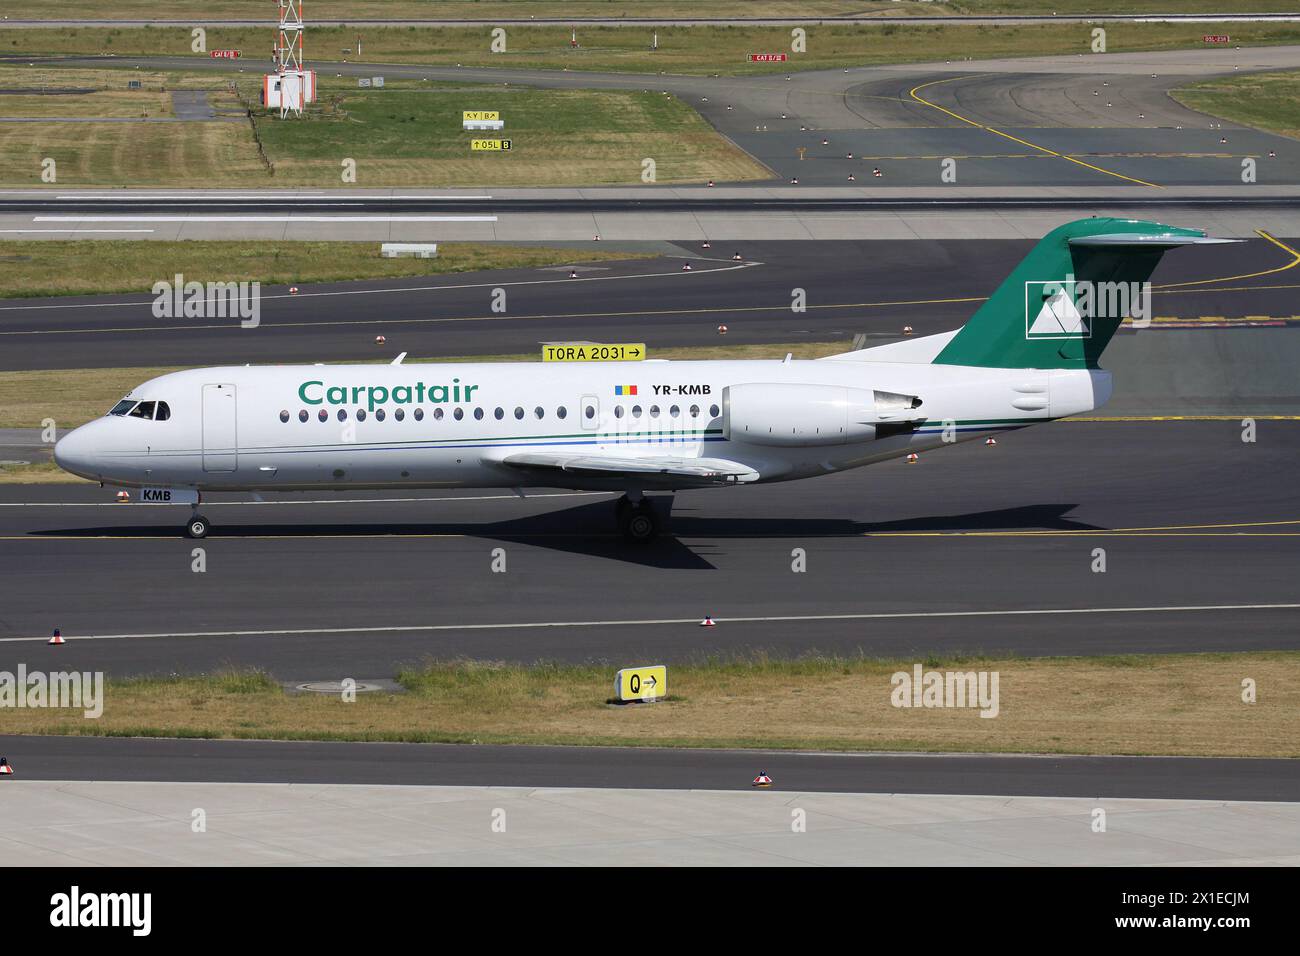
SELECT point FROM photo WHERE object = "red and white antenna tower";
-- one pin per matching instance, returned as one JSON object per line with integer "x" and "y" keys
{"x": 291, "y": 86}
{"x": 288, "y": 37}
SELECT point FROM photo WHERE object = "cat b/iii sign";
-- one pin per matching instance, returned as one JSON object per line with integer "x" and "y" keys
{"x": 641, "y": 683}
{"x": 489, "y": 145}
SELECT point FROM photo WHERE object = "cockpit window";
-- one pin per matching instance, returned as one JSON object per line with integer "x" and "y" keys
{"x": 143, "y": 410}
{"x": 163, "y": 413}
{"x": 122, "y": 407}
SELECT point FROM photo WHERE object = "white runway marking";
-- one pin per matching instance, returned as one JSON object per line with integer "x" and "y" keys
{"x": 75, "y": 230}
{"x": 534, "y": 625}
{"x": 255, "y": 217}
{"x": 319, "y": 501}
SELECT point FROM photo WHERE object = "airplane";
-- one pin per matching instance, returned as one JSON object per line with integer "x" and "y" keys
{"x": 1029, "y": 354}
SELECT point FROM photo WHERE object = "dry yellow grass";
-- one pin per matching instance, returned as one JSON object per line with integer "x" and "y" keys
{"x": 1179, "y": 704}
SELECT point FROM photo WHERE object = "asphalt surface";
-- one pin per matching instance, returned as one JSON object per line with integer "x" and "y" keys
{"x": 1032, "y": 121}
{"x": 86, "y": 758}
{"x": 870, "y": 287}
{"x": 973, "y": 549}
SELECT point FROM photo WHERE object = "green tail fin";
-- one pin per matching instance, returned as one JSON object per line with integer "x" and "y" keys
{"x": 1062, "y": 304}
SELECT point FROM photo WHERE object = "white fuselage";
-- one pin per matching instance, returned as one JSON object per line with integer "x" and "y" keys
{"x": 441, "y": 425}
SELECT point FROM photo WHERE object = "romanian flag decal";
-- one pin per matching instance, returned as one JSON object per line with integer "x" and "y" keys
{"x": 624, "y": 389}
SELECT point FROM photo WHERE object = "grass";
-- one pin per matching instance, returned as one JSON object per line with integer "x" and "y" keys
{"x": 1268, "y": 101}
{"x": 409, "y": 133}
{"x": 405, "y": 135}
{"x": 73, "y": 397}
{"x": 38, "y": 473}
{"x": 1186, "y": 704}
{"x": 641, "y": 9}
{"x": 691, "y": 50}
{"x": 98, "y": 266}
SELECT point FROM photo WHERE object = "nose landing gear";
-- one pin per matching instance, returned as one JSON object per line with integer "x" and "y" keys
{"x": 198, "y": 527}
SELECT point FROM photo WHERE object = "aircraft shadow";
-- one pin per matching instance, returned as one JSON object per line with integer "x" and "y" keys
{"x": 587, "y": 530}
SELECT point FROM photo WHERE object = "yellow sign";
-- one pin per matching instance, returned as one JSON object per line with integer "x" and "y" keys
{"x": 593, "y": 352}
{"x": 489, "y": 145}
{"x": 475, "y": 116}
{"x": 641, "y": 683}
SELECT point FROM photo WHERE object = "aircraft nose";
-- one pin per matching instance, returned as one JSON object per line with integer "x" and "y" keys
{"x": 73, "y": 452}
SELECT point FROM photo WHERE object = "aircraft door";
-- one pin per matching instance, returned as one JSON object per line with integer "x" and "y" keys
{"x": 220, "y": 429}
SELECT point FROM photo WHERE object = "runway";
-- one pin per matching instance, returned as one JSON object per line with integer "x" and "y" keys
{"x": 247, "y": 762}
{"x": 874, "y": 288}
{"x": 974, "y": 549}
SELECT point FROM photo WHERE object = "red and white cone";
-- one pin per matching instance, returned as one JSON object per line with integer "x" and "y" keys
{"x": 763, "y": 780}
{"x": 573, "y": 273}
{"x": 737, "y": 257}
{"x": 794, "y": 180}
{"x": 5, "y": 769}
{"x": 123, "y": 496}
{"x": 293, "y": 290}
{"x": 876, "y": 172}
{"x": 58, "y": 637}
{"x": 990, "y": 440}
{"x": 380, "y": 340}
{"x": 596, "y": 238}
{"x": 851, "y": 179}
{"x": 913, "y": 458}
{"x": 710, "y": 183}
{"x": 707, "y": 622}
{"x": 722, "y": 330}
{"x": 907, "y": 330}
{"x": 706, "y": 245}
{"x": 686, "y": 267}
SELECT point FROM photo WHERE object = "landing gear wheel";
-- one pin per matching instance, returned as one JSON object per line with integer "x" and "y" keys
{"x": 198, "y": 527}
{"x": 639, "y": 523}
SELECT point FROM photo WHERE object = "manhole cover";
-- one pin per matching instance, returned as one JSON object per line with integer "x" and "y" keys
{"x": 335, "y": 687}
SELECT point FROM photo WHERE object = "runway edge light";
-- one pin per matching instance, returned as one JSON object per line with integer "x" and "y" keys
{"x": 644, "y": 684}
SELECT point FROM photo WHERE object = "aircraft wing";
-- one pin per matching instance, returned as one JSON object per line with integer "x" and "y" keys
{"x": 675, "y": 471}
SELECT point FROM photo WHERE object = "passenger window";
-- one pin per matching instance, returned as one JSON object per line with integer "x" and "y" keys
{"x": 654, "y": 411}
{"x": 323, "y": 415}
{"x": 361, "y": 414}
{"x": 419, "y": 414}
{"x": 695, "y": 411}
{"x": 636, "y": 411}
{"x": 478, "y": 414}
{"x": 163, "y": 413}
{"x": 539, "y": 412}
{"x": 590, "y": 412}
{"x": 302, "y": 415}
{"x": 143, "y": 410}
{"x": 674, "y": 411}
{"x": 561, "y": 412}
{"x": 618, "y": 411}
{"x": 284, "y": 415}
{"x": 399, "y": 414}
{"x": 379, "y": 414}
{"x": 122, "y": 407}
{"x": 519, "y": 412}
{"x": 713, "y": 411}
{"x": 437, "y": 414}
{"x": 458, "y": 414}
{"x": 499, "y": 414}
{"x": 343, "y": 414}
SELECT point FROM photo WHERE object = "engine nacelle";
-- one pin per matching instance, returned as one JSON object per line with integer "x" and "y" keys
{"x": 800, "y": 415}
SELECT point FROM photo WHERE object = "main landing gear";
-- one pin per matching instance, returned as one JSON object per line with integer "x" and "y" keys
{"x": 637, "y": 519}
